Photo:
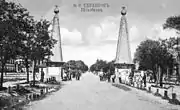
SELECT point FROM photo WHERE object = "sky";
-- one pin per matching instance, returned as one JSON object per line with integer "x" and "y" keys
{"x": 89, "y": 36}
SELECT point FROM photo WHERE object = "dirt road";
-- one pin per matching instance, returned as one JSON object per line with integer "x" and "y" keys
{"x": 91, "y": 94}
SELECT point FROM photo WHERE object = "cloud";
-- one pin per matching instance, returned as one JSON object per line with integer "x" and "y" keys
{"x": 110, "y": 28}
{"x": 105, "y": 35}
{"x": 163, "y": 5}
{"x": 134, "y": 34}
{"x": 111, "y": 24}
{"x": 93, "y": 35}
{"x": 71, "y": 38}
{"x": 157, "y": 32}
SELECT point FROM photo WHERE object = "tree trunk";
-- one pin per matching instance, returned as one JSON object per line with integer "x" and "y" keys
{"x": 170, "y": 70}
{"x": 161, "y": 77}
{"x": 154, "y": 76}
{"x": 2, "y": 72}
{"x": 34, "y": 72}
{"x": 27, "y": 69}
{"x": 158, "y": 75}
{"x": 62, "y": 72}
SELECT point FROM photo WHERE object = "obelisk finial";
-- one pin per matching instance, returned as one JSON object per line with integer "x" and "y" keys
{"x": 123, "y": 11}
{"x": 56, "y": 10}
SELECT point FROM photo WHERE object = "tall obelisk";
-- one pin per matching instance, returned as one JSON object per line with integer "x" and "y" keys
{"x": 123, "y": 60}
{"x": 56, "y": 60}
{"x": 57, "y": 50}
{"x": 123, "y": 53}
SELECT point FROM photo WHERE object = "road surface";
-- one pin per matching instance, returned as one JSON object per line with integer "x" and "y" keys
{"x": 91, "y": 94}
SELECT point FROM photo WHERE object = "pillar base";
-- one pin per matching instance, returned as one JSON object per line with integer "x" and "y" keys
{"x": 174, "y": 100}
{"x": 157, "y": 93}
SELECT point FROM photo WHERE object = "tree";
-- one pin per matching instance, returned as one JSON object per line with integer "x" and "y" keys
{"x": 10, "y": 37}
{"x": 26, "y": 50}
{"x": 111, "y": 67}
{"x": 100, "y": 64}
{"x": 173, "y": 22}
{"x": 41, "y": 44}
{"x": 27, "y": 30}
{"x": 81, "y": 66}
{"x": 75, "y": 65}
{"x": 145, "y": 55}
{"x": 93, "y": 68}
{"x": 107, "y": 67}
{"x": 21, "y": 36}
{"x": 85, "y": 68}
{"x": 170, "y": 44}
{"x": 151, "y": 55}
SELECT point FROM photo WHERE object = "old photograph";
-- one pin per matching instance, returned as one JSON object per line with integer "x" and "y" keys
{"x": 89, "y": 54}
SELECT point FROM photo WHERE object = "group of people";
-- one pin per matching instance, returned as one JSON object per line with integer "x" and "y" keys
{"x": 69, "y": 75}
{"x": 130, "y": 78}
{"x": 104, "y": 76}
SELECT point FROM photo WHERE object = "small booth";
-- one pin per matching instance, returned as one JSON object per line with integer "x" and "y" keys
{"x": 123, "y": 71}
{"x": 54, "y": 69}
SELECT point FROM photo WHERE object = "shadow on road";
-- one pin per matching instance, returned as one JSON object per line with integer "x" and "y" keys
{"x": 125, "y": 88}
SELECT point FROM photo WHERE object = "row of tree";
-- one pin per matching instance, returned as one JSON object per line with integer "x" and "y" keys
{"x": 107, "y": 67}
{"x": 160, "y": 54}
{"x": 21, "y": 36}
{"x": 73, "y": 65}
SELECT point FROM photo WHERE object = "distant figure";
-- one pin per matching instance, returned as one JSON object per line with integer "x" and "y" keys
{"x": 131, "y": 76}
{"x": 65, "y": 76}
{"x": 42, "y": 75}
{"x": 101, "y": 75}
{"x": 78, "y": 74}
{"x": 113, "y": 78}
{"x": 119, "y": 76}
{"x": 109, "y": 76}
{"x": 144, "y": 80}
{"x": 70, "y": 75}
{"x": 150, "y": 78}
